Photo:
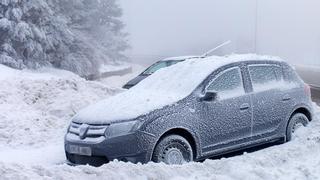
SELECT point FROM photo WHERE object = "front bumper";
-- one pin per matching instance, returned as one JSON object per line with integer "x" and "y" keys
{"x": 135, "y": 147}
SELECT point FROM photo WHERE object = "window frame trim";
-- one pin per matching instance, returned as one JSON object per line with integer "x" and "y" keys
{"x": 224, "y": 71}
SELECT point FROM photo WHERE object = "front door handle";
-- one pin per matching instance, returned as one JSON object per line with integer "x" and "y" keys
{"x": 286, "y": 97}
{"x": 244, "y": 106}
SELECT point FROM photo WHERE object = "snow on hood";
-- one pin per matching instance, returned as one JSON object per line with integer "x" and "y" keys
{"x": 165, "y": 87}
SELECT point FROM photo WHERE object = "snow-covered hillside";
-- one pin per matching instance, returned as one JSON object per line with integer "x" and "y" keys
{"x": 35, "y": 108}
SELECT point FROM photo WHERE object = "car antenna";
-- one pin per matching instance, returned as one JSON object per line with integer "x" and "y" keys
{"x": 214, "y": 49}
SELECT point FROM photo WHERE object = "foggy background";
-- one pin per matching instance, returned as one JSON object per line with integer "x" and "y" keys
{"x": 162, "y": 28}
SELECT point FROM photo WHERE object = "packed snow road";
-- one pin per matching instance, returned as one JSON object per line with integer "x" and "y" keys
{"x": 35, "y": 109}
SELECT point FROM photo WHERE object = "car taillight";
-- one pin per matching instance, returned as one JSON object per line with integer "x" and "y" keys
{"x": 307, "y": 90}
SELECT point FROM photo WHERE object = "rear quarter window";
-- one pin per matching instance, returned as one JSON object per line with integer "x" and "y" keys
{"x": 291, "y": 75}
{"x": 264, "y": 77}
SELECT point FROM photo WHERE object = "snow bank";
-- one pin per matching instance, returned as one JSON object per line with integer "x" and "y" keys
{"x": 36, "y": 107}
{"x": 165, "y": 87}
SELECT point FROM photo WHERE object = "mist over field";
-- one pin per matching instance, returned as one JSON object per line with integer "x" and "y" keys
{"x": 287, "y": 28}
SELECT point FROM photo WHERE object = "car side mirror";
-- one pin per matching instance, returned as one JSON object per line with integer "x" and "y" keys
{"x": 209, "y": 96}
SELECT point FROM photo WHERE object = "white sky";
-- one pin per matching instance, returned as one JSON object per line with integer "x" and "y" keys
{"x": 288, "y": 28}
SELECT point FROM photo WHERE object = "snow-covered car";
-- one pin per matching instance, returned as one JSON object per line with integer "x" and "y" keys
{"x": 193, "y": 110}
{"x": 155, "y": 67}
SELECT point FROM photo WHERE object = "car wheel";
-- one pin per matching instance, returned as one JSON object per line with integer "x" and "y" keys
{"x": 173, "y": 149}
{"x": 298, "y": 120}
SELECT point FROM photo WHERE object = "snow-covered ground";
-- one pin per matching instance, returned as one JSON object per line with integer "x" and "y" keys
{"x": 35, "y": 109}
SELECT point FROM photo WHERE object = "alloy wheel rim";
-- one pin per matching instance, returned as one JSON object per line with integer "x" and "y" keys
{"x": 174, "y": 156}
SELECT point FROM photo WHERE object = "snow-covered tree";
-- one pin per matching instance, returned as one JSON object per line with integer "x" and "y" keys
{"x": 77, "y": 35}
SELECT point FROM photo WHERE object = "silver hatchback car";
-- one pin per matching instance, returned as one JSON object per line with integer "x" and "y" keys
{"x": 193, "y": 110}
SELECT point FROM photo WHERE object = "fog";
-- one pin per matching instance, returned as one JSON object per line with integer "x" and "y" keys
{"x": 162, "y": 28}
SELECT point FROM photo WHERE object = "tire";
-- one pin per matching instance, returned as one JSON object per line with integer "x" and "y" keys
{"x": 173, "y": 149}
{"x": 296, "y": 121}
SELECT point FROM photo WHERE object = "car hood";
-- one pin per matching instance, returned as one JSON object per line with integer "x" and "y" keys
{"x": 125, "y": 106}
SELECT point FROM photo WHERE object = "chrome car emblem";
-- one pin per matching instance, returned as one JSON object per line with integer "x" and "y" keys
{"x": 83, "y": 130}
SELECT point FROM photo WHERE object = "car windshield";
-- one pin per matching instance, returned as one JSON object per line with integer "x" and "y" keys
{"x": 159, "y": 65}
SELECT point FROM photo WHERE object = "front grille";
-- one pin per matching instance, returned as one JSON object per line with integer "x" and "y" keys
{"x": 93, "y": 131}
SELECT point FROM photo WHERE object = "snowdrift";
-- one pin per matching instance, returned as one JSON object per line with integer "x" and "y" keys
{"x": 36, "y": 107}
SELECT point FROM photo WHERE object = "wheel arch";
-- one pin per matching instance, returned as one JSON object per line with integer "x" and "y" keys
{"x": 183, "y": 133}
{"x": 302, "y": 110}
{"x": 299, "y": 110}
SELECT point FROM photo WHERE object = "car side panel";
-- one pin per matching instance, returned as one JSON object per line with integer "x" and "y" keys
{"x": 269, "y": 112}
{"x": 178, "y": 116}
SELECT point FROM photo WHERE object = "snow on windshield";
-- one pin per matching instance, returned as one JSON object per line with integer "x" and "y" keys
{"x": 165, "y": 87}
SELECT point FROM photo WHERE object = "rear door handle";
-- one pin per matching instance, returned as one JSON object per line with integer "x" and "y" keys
{"x": 286, "y": 98}
{"x": 244, "y": 106}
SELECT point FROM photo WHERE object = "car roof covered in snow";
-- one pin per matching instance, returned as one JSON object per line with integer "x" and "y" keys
{"x": 165, "y": 87}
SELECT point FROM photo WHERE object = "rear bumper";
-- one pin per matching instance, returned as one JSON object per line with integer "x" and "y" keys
{"x": 133, "y": 148}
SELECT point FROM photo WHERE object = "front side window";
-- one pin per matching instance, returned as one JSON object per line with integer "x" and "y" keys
{"x": 265, "y": 77}
{"x": 228, "y": 84}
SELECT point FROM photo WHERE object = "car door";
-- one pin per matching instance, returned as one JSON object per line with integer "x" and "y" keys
{"x": 269, "y": 101}
{"x": 227, "y": 119}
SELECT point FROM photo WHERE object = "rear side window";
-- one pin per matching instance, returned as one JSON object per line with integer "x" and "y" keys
{"x": 265, "y": 77}
{"x": 228, "y": 83}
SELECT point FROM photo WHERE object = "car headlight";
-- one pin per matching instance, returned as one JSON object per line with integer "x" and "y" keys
{"x": 119, "y": 129}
